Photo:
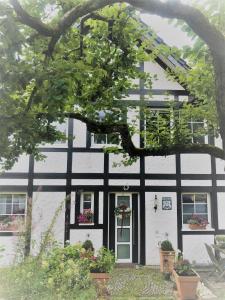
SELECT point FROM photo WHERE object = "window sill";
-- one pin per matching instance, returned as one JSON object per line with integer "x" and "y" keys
{"x": 86, "y": 224}
{"x": 193, "y": 230}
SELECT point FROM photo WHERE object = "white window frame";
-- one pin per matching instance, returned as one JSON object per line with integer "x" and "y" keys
{"x": 82, "y": 201}
{"x": 95, "y": 145}
{"x": 209, "y": 226}
{"x": 25, "y": 211}
{"x": 192, "y": 122}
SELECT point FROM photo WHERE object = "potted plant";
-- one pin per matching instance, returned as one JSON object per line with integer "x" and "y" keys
{"x": 86, "y": 217}
{"x": 101, "y": 265}
{"x": 186, "y": 280}
{"x": 167, "y": 257}
{"x": 196, "y": 222}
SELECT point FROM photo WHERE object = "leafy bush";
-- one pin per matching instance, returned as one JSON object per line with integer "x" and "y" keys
{"x": 166, "y": 246}
{"x": 104, "y": 262}
{"x": 60, "y": 274}
{"x": 184, "y": 268}
{"x": 65, "y": 270}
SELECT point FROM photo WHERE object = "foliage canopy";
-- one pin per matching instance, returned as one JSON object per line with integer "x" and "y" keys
{"x": 90, "y": 68}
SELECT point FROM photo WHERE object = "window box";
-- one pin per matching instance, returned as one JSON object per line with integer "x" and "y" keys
{"x": 197, "y": 226}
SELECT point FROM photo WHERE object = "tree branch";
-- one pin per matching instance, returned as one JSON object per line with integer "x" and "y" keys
{"x": 30, "y": 21}
{"x": 129, "y": 147}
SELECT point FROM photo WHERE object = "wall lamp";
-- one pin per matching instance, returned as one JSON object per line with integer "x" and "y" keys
{"x": 155, "y": 203}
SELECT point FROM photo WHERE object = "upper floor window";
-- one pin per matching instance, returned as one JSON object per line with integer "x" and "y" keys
{"x": 157, "y": 126}
{"x": 105, "y": 139}
{"x": 12, "y": 211}
{"x": 195, "y": 204}
{"x": 197, "y": 129}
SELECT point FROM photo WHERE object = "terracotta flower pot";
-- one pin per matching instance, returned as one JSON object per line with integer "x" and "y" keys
{"x": 100, "y": 277}
{"x": 167, "y": 259}
{"x": 186, "y": 286}
{"x": 100, "y": 281}
{"x": 196, "y": 226}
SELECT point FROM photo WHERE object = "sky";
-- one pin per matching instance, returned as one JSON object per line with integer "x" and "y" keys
{"x": 171, "y": 35}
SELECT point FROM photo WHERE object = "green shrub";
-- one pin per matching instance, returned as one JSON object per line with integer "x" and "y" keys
{"x": 104, "y": 262}
{"x": 166, "y": 246}
{"x": 60, "y": 274}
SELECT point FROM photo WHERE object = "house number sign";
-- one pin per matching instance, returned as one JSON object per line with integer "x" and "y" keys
{"x": 166, "y": 203}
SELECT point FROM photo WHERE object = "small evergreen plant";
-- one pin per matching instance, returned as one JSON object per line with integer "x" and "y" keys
{"x": 88, "y": 245}
{"x": 166, "y": 246}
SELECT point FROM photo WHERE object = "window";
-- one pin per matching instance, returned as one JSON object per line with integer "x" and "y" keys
{"x": 86, "y": 208}
{"x": 12, "y": 211}
{"x": 105, "y": 139}
{"x": 197, "y": 204}
{"x": 156, "y": 122}
{"x": 87, "y": 202}
{"x": 197, "y": 128}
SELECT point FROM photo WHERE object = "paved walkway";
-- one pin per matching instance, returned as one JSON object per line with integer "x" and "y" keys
{"x": 147, "y": 283}
{"x": 217, "y": 287}
{"x": 144, "y": 283}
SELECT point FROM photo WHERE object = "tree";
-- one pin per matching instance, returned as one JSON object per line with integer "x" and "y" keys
{"x": 74, "y": 58}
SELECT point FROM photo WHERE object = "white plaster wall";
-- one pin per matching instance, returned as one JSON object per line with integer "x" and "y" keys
{"x": 132, "y": 118}
{"x": 88, "y": 163}
{"x": 196, "y": 182}
{"x": 45, "y": 205}
{"x": 160, "y": 164}
{"x": 159, "y": 97}
{"x": 221, "y": 210}
{"x": 87, "y": 182}
{"x": 7, "y": 257}
{"x": 134, "y": 168}
{"x": 195, "y": 163}
{"x": 220, "y": 182}
{"x": 220, "y": 166}
{"x": 55, "y": 162}
{"x": 100, "y": 219}
{"x": 56, "y": 182}
{"x": 160, "y": 225}
{"x": 22, "y": 165}
{"x": 62, "y": 144}
{"x": 157, "y": 182}
{"x": 218, "y": 142}
{"x": 163, "y": 82}
{"x": 7, "y": 181}
{"x": 132, "y": 97}
{"x": 183, "y": 98}
{"x": 81, "y": 235}
{"x": 72, "y": 208}
{"x": 194, "y": 248}
{"x": 79, "y": 130}
{"x": 124, "y": 182}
